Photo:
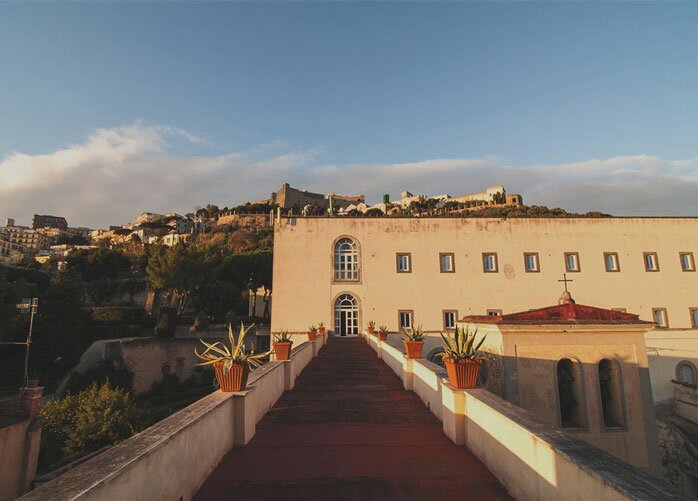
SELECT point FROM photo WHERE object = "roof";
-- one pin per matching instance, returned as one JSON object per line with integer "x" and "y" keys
{"x": 560, "y": 314}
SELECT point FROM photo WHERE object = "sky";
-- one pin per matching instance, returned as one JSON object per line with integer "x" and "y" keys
{"x": 110, "y": 109}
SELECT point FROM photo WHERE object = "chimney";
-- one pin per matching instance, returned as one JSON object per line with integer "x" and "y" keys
{"x": 9, "y": 222}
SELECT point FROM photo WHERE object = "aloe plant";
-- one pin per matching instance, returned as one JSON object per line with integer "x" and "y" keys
{"x": 312, "y": 328}
{"x": 282, "y": 337}
{"x": 236, "y": 353}
{"x": 461, "y": 346}
{"x": 320, "y": 325}
{"x": 382, "y": 328}
{"x": 371, "y": 323}
{"x": 413, "y": 334}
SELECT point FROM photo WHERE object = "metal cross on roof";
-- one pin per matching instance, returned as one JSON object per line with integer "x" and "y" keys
{"x": 565, "y": 279}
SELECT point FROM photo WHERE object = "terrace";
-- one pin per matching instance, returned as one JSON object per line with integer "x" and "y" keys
{"x": 352, "y": 426}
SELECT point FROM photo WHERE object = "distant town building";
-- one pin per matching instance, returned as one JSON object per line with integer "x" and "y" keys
{"x": 25, "y": 237}
{"x": 45, "y": 221}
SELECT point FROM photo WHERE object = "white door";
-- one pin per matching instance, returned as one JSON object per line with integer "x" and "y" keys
{"x": 346, "y": 316}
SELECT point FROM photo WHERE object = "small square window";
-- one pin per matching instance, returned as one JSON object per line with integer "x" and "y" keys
{"x": 651, "y": 261}
{"x": 404, "y": 262}
{"x": 531, "y": 262}
{"x": 611, "y": 261}
{"x": 489, "y": 262}
{"x": 494, "y": 313}
{"x": 694, "y": 317}
{"x": 405, "y": 319}
{"x": 687, "y": 262}
{"x": 660, "y": 317}
{"x": 450, "y": 317}
{"x": 446, "y": 262}
{"x": 572, "y": 261}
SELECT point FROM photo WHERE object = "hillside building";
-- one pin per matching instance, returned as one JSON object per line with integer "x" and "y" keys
{"x": 45, "y": 221}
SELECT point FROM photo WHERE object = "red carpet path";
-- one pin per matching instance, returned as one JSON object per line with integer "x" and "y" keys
{"x": 349, "y": 431}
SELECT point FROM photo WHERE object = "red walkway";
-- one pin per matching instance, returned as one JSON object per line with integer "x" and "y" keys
{"x": 348, "y": 431}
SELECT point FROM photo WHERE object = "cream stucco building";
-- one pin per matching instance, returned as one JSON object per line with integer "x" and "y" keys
{"x": 432, "y": 271}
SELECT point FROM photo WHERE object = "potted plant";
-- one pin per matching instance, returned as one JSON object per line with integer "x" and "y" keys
{"x": 383, "y": 333}
{"x": 414, "y": 341}
{"x": 460, "y": 356}
{"x": 312, "y": 333}
{"x": 282, "y": 345}
{"x": 232, "y": 364}
{"x": 321, "y": 328}
{"x": 371, "y": 327}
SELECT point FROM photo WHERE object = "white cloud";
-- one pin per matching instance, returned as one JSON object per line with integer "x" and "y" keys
{"x": 118, "y": 172}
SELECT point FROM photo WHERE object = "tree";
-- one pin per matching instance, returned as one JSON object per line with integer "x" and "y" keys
{"x": 183, "y": 269}
{"x": 59, "y": 324}
{"x": 99, "y": 264}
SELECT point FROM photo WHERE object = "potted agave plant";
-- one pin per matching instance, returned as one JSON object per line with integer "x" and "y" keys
{"x": 460, "y": 356}
{"x": 371, "y": 327}
{"x": 383, "y": 333}
{"x": 282, "y": 345}
{"x": 312, "y": 333}
{"x": 231, "y": 363}
{"x": 321, "y": 328}
{"x": 414, "y": 341}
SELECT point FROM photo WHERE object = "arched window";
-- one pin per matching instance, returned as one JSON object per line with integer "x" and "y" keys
{"x": 346, "y": 316}
{"x": 570, "y": 394}
{"x": 686, "y": 373}
{"x": 346, "y": 260}
{"x": 611, "y": 391}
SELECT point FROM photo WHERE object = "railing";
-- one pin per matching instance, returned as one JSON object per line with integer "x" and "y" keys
{"x": 171, "y": 459}
{"x": 531, "y": 459}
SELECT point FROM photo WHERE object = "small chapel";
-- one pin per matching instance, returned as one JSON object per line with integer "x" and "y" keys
{"x": 579, "y": 368}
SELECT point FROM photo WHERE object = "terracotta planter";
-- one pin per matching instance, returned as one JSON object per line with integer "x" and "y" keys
{"x": 414, "y": 349}
{"x": 371, "y": 330}
{"x": 383, "y": 336}
{"x": 463, "y": 374}
{"x": 282, "y": 350}
{"x": 312, "y": 336}
{"x": 234, "y": 380}
{"x": 321, "y": 330}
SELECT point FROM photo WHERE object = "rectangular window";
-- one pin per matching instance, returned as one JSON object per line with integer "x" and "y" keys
{"x": 611, "y": 262}
{"x": 660, "y": 317}
{"x": 404, "y": 262}
{"x": 489, "y": 262}
{"x": 572, "y": 261}
{"x": 494, "y": 313}
{"x": 620, "y": 310}
{"x": 404, "y": 318}
{"x": 450, "y": 317}
{"x": 651, "y": 261}
{"x": 446, "y": 262}
{"x": 531, "y": 262}
{"x": 687, "y": 262}
{"x": 694, "y": 317}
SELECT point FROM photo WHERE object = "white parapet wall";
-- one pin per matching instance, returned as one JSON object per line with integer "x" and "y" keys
{"x": 531, "y": 459}
{"x": 171, "y": 459}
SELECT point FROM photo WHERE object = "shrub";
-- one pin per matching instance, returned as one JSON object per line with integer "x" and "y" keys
{"x": 167, "y": 322}
{"x": 201, "y": 322}
{"x": 113, "y": 371}
{"x": 84, "y": 422}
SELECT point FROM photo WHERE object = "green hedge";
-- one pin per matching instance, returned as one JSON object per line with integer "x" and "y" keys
{"x": 128, "y": 314}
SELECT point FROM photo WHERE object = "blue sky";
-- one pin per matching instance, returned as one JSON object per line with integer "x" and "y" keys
{"x": 347, "y": 88}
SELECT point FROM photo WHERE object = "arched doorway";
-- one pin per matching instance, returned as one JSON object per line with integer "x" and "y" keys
{"x": 346, "y": 316}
